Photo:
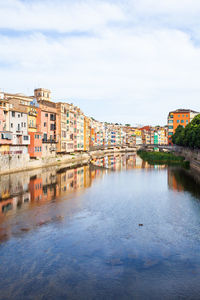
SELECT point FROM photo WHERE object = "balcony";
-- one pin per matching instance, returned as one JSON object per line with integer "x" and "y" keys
{"x": 19, "y": 132}
{"x": 49, "y": 141}
{"x": 31, "y": 113}
{"x": 32, "y": 126}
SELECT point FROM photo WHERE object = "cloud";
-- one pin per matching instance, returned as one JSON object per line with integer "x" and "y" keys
{"x": 123, "y": 72}
{"x": 59, "y": 15}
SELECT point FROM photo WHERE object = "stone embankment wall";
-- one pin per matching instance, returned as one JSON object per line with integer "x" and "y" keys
{"x": 193, "y": 156}
{"x": 17, "y": 164}
{"x": 13, "y": 161}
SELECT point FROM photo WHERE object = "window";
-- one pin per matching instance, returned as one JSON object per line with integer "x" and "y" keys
{"x": 52, "y": 117}
{"x": 46, "y": 115}
{"x": 53, "y": 127}
{"x": 45, "y": 124}
{"x": 40, "y": 149}
{"x": 13, "y": 114}
{"x": 186, "y": 121}
{"x": 35, "y": 149}
{"x": 24, "y": 124}
{"x": 45, "y": 137}
{"x": 18, "y": 115}
{"x": 170, "y": 121}
{"x": 170, "y": 133}
{"x": 11, "y": 125}
{"x": 178, "y": 121}
{"x": 21, "y": 114}
{"x": 178, "y": 116}
{"x": 26, "y": 138}
{"x": 186, "y": 116}
{"x": 182, "y": 121}
{"x": 183, "y": 116}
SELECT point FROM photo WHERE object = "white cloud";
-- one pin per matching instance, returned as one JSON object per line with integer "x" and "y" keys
{"x": 60, "y": 15}
{"x": 125, "y": 74}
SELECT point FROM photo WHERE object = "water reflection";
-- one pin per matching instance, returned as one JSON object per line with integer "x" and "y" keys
{"x": 29, "y": 189}
{"x": 44, "y": 185}
{"x": 180, "y": 180}
{"x": 75, "y": 234}
{"x": 23, "y": 192}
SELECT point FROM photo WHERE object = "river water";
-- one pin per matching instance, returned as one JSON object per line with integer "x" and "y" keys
{"x": 120, "y": 229}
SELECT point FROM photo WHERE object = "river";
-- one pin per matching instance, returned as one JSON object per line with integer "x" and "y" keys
{"x": 118, "y": 229}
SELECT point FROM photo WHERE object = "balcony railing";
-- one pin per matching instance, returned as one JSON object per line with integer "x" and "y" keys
{"x": 49, "y": 141}
{"x": 32, "y": 126}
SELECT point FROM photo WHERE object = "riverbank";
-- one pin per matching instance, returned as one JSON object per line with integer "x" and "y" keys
{"x": 68, "y": 160}
{"x": 162, "y": 158}
{"x": 193, "y": 156}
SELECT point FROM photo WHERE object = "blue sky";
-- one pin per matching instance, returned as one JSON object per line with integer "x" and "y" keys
{"x": 124, "y": 61}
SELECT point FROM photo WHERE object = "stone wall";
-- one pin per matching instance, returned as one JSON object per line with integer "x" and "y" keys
{"x": 193, "y": 156}
{"x": 18, "y": 163}
{"x": 13, "y": 161}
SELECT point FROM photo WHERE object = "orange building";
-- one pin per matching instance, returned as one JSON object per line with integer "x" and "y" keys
{"x": 179, "y": 117}
{"x": 35, "y": 147}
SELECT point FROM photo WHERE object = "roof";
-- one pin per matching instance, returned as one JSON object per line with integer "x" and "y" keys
{"x": 182, "y": 110}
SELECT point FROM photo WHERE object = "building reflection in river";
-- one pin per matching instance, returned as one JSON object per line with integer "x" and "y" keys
{"x": 36, "y": 187}
{"x": 119, "y": 162}
{"x": 180, "y": 180}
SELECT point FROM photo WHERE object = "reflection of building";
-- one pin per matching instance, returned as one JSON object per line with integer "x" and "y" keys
{"x": 43, "y": 185}
{"x": 173, "y": 182}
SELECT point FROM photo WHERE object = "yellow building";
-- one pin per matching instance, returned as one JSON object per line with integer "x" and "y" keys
{"x": 32, "y": 118}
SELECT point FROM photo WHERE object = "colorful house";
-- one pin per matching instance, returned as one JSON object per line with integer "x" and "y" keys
{"x": 34, "y": 130}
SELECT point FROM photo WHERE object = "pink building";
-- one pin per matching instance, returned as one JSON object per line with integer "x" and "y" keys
{"x": 48, "y": 128}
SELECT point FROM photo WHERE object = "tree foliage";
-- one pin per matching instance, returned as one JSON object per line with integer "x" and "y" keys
{"x": 188, "y": 136}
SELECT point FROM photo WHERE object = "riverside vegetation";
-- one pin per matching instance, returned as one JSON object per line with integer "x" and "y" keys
{"x": 188, "y": 136}
{"x": 163, "y": 158}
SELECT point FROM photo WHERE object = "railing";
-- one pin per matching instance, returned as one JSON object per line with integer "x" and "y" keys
{"x": 32, "y": 126}
{"x": 49, "y": 141}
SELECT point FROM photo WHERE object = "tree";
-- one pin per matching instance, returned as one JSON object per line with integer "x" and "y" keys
{"x": 178, "y": 136}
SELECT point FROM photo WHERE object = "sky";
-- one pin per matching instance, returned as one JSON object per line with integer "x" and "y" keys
{"x": 129, "y": 61}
